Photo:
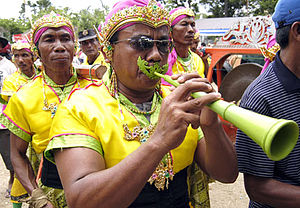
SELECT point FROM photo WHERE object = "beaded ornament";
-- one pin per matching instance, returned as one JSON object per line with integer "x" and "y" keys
{"x": 183, "y": 11}
{"x": 164, "y": 171}
{"x": 270, "y": 53}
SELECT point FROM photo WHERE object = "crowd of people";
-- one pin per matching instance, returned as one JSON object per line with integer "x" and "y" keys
{"x": 126, "y": 139}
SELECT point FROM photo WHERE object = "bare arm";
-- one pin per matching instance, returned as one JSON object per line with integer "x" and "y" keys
{"x": 215, "y": 154}
{"x": 92, "y": 185}
{"x": 21, "y": 164}
{"x": 114, "y": 187}
{"x": 272, "y": 192}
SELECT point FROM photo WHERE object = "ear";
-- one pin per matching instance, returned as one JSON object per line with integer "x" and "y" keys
{"x": 295, "y": 30}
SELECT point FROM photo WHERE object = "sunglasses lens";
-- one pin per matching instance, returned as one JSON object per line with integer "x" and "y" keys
{"x": 163, "y": 46}
{"x": 141, "y": 43}
{"x": 145, "y": 43}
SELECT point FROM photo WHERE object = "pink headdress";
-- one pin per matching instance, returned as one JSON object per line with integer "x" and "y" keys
{"x": 21, "y": 45}
{"x": 179, "y": 13}
{"x": 51, "y": 20}
{"x": 128, "y": 12}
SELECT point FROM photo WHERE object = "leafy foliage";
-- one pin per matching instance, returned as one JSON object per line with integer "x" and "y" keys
{"x": 226, "y": 8}
{"x": 84, "y": 19}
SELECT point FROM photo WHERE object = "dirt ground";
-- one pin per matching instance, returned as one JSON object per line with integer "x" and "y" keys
{"x": 221, "y": 195}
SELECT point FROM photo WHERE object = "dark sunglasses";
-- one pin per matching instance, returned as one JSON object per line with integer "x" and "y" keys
{"x": 143, "y": 43}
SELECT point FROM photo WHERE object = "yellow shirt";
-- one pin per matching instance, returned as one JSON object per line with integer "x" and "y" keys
{"x": 12, "y": 84}
{"x": 99, "y": 60}
{"x": 196, "y": 64}
{"x": 97, "y": 124}
{"x": 24, "y": 115}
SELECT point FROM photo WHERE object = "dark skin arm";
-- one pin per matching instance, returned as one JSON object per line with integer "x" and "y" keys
{"x": 21, "y": 164}
{"x": 119, "y": 185}
{"x": 215, "y": 153}
{"x": 272, "y": 192}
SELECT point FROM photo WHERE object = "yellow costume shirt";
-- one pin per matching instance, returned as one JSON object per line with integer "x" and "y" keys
{"x": 99, "y": 60}
{"x": 24, "y": 115}
{"x": 12, "y": 84}
{"x": 97, "y": 124}
{"x": 194, "y": 64}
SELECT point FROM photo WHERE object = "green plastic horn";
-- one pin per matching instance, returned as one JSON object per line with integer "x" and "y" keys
{"x": 276, "y": 137}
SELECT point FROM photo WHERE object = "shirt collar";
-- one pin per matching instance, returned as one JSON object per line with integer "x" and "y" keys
{"x": 287, "y": 78}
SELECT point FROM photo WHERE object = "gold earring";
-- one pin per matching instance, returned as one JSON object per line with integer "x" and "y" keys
{"x": 108, "y": 50}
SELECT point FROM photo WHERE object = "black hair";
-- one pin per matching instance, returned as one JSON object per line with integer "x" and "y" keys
{"x": 6, "y": 55}
{"x": 114, "y": 38}
{"x": 282, "y": 36}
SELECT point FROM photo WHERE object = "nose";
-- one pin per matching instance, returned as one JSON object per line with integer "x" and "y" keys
{"x": 59, "y": 47}
{"x": 154, "y": 55}
{"x": 191, "y": 29}
{"x": 20, "y": 59}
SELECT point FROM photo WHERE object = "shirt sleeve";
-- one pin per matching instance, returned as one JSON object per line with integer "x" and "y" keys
{"x": 251, "y": 158}
{"x": 8, "y": 88}
{"x": 71, "y": 128}
{"x": 14, "y": 118}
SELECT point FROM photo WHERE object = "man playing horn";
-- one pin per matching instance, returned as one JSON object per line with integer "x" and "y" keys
{"x": 275, "y": 93}
{"x": 129, "y": 144}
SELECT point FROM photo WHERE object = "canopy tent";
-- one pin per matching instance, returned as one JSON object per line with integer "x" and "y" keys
{"x": 217, "y": 26}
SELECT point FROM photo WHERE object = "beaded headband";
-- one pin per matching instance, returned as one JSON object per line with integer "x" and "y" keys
{"x": 179, "y": 12}
{"x": 152, "y": 15}
{"x": 49, "y": 20}
{"x": 20, "y": 45}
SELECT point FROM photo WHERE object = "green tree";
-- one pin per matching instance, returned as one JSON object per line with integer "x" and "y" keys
{"x": 170, "y": 4}
{"x": 225, "y": 8}
{"x": 265, "y": 7}
{"x": 85, "y": 19}
{"x": 13, "y": 26}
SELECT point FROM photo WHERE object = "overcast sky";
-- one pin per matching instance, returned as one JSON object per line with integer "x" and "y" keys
{"x": 11, "y": 8}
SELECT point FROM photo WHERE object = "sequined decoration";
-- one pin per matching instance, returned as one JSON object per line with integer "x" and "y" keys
{"x": 52, "y": 108}
{"x": 164, "y": 171}
{"x": 141, "y": 134}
